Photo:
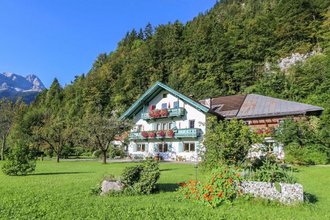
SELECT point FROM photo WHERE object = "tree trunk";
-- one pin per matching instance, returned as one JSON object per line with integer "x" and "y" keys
{"x": 3, "y": 148}
{"x": 58, "y": 157}
{"x": 104, "y": 156}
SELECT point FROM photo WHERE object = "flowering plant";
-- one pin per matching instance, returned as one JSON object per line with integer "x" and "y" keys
{"x": 222, "y": 186}
{"x": 265, "y": 131}
{"x": 144, "y": 134}
{"x": 164, "y": 112}
{"x": 161, "y": 133}
{"x": 152, "y": 134}
{"x": 170, "y": 133}
{"x": 156, "y": 113}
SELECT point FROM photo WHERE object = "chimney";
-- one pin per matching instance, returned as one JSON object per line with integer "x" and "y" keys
{"x": 208, "y": 103}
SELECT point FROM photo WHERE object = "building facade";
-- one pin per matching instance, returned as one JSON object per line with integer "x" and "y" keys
{"x": 171, "y": 125}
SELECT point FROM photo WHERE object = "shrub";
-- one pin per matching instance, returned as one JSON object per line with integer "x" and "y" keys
{"x": 20, "y": 161}
{"x": 268, "y": 170}
{"x": 227, "y": 142}
{"x": 141, "y": 179}
{"x": 149, "y": 177}
{"x": 131, "y": 175}
{"x": 221, "y": 187}
{"x": 308, "y": 155}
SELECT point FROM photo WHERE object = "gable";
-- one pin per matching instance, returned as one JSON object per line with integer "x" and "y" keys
{"x": 152, "y": 92}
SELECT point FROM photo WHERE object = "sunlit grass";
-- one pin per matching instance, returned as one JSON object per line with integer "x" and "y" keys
{"x": 62, "y": 191}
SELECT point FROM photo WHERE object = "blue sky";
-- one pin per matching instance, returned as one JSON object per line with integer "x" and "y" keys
{"x": 62, "y": 38}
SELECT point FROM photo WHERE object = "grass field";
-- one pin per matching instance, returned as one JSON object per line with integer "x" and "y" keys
{"x": 62, "y": 191}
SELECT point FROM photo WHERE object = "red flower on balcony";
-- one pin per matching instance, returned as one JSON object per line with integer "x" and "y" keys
{"x": 164, "y": 112}
{"x": 170, "y": 133}
{"x": 155, "y": 113}
{"x": 152, "y": 134}
{"x": 144, "y": 134}
{"x": 161, "y": 134}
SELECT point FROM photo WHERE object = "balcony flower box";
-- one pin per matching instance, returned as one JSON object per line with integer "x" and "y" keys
{"x": 144, "y": 134}
{"x": 161, "y": 134}
{"x": 170, "y": 133}
{"x": 155, "y": 113}
{"x": 164, "y": 112}
{"x": 152, "y": 134}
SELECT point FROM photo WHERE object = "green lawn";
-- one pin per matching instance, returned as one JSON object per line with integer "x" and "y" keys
{"x": 62, "y": 191}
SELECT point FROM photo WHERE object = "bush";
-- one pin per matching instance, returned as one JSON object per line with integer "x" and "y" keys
{"x": 149, "y": 177}
{"x": 270, "y": 171}
{"x": 20, "y": 161}
{"x": 310, "y": 155}
{"x": 131, "y": 175}
{"x": 141, "y": 179}
{"x": 227, "y": 142}
{"x": 221, "y": 187}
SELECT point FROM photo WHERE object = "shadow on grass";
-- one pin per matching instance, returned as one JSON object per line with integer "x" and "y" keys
{"x": 56, "y": 173}
{"x": 310, "y": 198}
{"x": 167, "y": 187}
{"x": 161, "y": 170}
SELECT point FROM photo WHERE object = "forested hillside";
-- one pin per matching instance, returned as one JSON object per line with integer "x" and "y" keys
{"x": 235, "y": 47}
{"x": 221, "y": 52}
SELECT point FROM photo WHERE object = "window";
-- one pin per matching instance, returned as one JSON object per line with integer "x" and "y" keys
{"x": 141, "y": 147}
{"x": 189, "y": 147}
{"x": 162, "y": 147}
{"x": 176, "y": 104}
{"x": 165, "y": 126}
{"x": 159, "y": 127}
{"x": 191, "y": 123}
{"x": 139, "y": 128}
{"x": 171, "y": 125}
{"x": 164, "y": 105}
{"x": 165, "y": 95}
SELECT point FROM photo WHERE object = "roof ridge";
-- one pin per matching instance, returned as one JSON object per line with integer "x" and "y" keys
{"x": 241, "y": 105}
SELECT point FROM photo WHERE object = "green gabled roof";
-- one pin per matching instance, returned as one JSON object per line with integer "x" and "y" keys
{"x": 154, "y": 91}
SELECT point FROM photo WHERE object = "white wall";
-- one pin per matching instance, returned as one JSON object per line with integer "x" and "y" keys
{"x": 181, "y": 123}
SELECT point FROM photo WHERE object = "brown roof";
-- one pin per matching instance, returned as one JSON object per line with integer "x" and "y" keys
{"x": 256, "y": 106}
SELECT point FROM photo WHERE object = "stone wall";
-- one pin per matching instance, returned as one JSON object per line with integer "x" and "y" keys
{"x": 286, "y": 193}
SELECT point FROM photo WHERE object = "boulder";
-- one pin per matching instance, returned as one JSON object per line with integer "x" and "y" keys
{"x": 111, "y": 185}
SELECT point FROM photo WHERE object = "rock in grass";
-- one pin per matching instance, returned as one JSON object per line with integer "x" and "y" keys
{"x": 112, "y": 185}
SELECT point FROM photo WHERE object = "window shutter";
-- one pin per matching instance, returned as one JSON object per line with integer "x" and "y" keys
{"x": 180, "y": 147}
{"x": 155, "y": 147}
{"x": 197, "y": 145}
{"x": 169, "y": 147}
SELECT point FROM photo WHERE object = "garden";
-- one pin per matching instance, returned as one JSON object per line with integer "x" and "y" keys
{"x": 63, "y": 191}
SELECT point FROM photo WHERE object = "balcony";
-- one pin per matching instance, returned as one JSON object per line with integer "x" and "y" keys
{"x": 171, "y": 113}
{"x": 177, "y": 134}
{"x": 188, "y": 133}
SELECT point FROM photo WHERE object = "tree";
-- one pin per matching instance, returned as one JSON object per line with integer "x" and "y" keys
{"x": 56, "y": 131}
{"x": 227, "y": 142}
{"x": 100, "y": 131}
{"x": 8, "y": 111}
{"x": 20, "y": 160}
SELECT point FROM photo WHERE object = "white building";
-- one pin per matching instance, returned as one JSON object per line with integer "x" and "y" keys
{"x": 172, "y": 125}
{"x": 167, "y": 124}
